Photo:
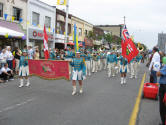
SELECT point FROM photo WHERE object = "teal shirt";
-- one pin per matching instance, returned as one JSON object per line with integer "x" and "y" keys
{"x": 78, "y": 65}
{"x": 123, "y": 61}
{"x": 111, "y": 58}
{"x": 88, "y": 57}
{"x": 52, "y": 55}
{"x": 23, "y": 61}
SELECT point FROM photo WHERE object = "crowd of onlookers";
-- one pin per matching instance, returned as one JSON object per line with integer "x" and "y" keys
{"x": 9, "y": 59}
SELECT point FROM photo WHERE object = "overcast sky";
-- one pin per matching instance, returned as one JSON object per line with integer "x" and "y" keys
{"x": 144, "y": 18}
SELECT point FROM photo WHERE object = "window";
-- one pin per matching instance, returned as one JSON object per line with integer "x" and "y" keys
{"x": 35, "y": 18}
{"x": 1, "y": 10}
{"x": 80, "y": 32}
{"x": 48, "y": 22}
{"x": 17, "y": 13}
{"x": 86, "y": 32}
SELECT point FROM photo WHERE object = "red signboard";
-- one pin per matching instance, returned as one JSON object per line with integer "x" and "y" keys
{"x": 48, "y": 69}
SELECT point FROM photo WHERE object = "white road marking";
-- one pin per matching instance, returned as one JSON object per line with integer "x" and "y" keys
{"x": 16, "y": 105}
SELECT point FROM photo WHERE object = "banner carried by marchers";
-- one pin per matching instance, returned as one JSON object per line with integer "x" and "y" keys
{"x": 48, "y": 69}
{"x": 129, "y": 50}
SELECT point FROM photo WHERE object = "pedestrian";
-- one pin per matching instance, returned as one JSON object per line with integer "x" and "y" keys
{"x": 24, "y": 69}
{"x": 30, "y": 52}
{"x": 123, "y": 69}
{"x": 155, "y": 64}
{"x": 162, "y": 91}
{"x": 3, "y": 58}
{"x": 37, "y": 54}
{"x": 17, "y": 58}
{"x": 6, "y": 73}
{"x": 79, "y": 72}
{"x": 10, "y": 57}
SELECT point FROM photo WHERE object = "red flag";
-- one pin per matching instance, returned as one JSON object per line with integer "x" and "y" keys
{"x": 129, "y": 50}
{"x": 46, "y": 54}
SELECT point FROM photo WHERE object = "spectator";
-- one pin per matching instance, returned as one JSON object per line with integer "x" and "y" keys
{"x": 6, "y": 73}
{"x": 3, "y": 58}
{"x": 36, "y": 54}
{"x": 162, "y": 91}
{"x": 0, "y": 49}
{"x": 9, "y": 57}
{"x": 17, "y": 58}
{"x": 30, "y": 52}
{"x": 155, "y": 64}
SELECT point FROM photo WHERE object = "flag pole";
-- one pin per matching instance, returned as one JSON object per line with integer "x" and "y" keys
{"x": 66, "y": 24}
{"x": 27, "y": 37}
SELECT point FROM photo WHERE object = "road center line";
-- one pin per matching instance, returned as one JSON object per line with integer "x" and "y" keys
{"x": 134, "y": 114}
{"x": 16, "y": 105}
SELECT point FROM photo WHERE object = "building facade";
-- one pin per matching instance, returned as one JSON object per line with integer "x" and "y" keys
{"x": 162, "y": 42}
{"x": 40, "y": 14}
{"x": 60, "y": 29}
{"x": 13, "y": 16}
{"x": 83, "y": 28}
{"x": 112, "y": 29}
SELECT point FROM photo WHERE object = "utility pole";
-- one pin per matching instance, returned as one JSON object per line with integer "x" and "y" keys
{"x": 66, "y": 25}
{"x": 124, "y": 20}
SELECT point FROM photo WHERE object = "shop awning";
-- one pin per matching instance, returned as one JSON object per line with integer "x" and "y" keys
{"x": 70, "y": 43}
{"x": 10, "y": 28}
{"x": 12, "y": 33}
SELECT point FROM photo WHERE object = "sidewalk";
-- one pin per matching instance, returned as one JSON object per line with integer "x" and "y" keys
{"x": 149, "y": 111}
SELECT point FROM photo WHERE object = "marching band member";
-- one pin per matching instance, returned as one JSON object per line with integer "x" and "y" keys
{"x": 123, "y": 69}
{"x": 79, "y": 72}
{"x": 94, "y": 63}
{"x": 111, "y": 61}
{"x": 105, "y": 60}
{"x": 98, "y": 61}
{"x": 24, "y": 69}
{"x": 134, "y": 67}
{"x": 68, "y": 57}
{"x": 88, "y": 63}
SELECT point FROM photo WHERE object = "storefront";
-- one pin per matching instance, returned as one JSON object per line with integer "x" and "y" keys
{"x": 97, "y": 44}
{"x": 36, "y": 38}
{"x": 11, "y": 35}
{"x": 88, "y": 44}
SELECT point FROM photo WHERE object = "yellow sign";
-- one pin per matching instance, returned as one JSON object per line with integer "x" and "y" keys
{"x": 61, "y": 2}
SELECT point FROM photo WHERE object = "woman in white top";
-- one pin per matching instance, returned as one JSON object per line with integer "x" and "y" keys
{"x": 10, "y": 57}
{"x": 3, "y": 57}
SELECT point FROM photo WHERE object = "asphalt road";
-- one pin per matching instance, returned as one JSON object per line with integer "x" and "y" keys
{"x": 104, "y": 102}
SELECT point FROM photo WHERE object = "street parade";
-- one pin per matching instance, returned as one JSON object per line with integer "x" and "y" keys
{"x": 58, "y": 69}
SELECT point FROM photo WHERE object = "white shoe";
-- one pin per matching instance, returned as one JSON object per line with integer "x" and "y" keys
{"x": 21, "y": 83}
{"x": 74, "y": 90}
{"x": 131, "y": 77}
{"x": 81, "y": 90}
{"x": 121, "y": 81}
{"x": 28, "y": 84}
{"x": 124, "y": 80}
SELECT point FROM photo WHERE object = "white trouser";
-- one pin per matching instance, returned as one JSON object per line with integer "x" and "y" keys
{"x": 88, "y": 68}
{"x": 111, "y": 69}
{"x": 102, "y": 64}
{"x": 134, "y": 69}
{"x": 91, "y": 64}
{"x": 105, "y": 63}
{"x": 99, "y": 64}
{"x": 94, "y": 66}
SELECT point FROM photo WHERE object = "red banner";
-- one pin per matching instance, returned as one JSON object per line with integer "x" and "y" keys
{"x": 48, "y": 69}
